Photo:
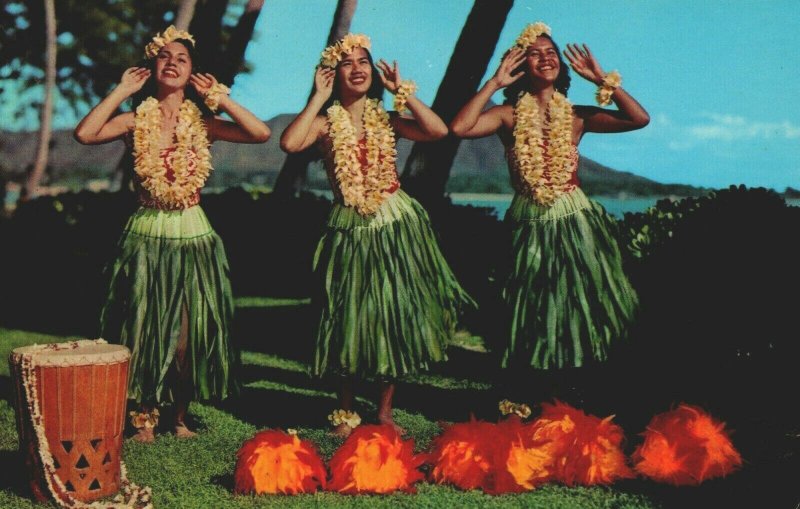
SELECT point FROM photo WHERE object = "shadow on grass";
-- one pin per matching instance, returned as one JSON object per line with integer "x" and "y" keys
{"x": 15, "y": 478}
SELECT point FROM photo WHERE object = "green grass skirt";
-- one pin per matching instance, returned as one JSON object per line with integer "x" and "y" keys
{"x": 390, "y": 301}
{"x": 168, "y": 261}
{"x": 567, "y": 293}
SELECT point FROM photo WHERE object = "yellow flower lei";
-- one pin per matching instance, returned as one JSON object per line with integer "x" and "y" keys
{"x": 509, "y": 407}
{"x": 545, "y": 168}
{"x": 341, "y": 416}
{"x": 611, "y": 82}
{"x": 192, "y": 137}
{"x": 335, "y": 52}
{"x": 405, "y": 90}
{"x": 365, "y": 190}
{"x": 161, "y": 40}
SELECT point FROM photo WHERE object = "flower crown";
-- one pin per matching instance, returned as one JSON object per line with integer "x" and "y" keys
{"x": 161, "y": 40}
{"x": 334, "y": 53}
{"x": 530, "y": 33}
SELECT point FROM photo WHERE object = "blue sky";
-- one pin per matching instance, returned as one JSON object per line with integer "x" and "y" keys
{"x": 720, "y": 79}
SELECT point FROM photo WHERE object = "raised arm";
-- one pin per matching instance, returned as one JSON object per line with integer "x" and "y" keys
{"x": 307, "y": 126}
{"x": 426, "y": 125}
{"x": 245, "y": 128}
{"x": 629, "y": 116}
{"x": 98, "y": 126}
{"x": 471, "y": 121}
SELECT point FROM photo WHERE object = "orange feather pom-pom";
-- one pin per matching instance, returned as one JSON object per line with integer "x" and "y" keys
{"x": 275, "y": 462}
{"x": 374, "y": 459}
{"x": 587, "y": 448}
{"x": 523, "y": 461}
{"x": 463, "y": 455}
{"x": 685, "y": 446}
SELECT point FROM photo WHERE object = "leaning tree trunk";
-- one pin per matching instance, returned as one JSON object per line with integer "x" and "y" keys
{"x": 428, "y": 166}
{"x": 46, "y": 122}
{"x": 233, "y": 61}
{"x": 185, "y": 14}
{"x": 295, "y": 168}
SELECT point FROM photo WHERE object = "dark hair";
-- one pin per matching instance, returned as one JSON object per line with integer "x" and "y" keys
{"x": 151, "y": 87}
{"x": 563, "y": 79}
{"x": 375, "y": 90}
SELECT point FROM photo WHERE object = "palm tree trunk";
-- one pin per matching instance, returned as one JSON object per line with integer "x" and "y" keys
{"x": 295, "y": 168}
{"x": 428, "y": 166}
{"x": 233, "y": 61}
{"x": 185, "y": 14}
{"x": 46, "y": 122}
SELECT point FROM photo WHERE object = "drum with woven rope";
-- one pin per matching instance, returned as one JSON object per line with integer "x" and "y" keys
{"x": 70, "y": 402}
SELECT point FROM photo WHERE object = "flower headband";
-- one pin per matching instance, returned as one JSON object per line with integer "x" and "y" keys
{"x": 531, "y": 32}
{"x": 334, "y": 53}
{"x": 161, "y": 40}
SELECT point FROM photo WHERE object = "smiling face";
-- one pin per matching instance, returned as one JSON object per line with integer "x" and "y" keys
{"x": 173, "y": 65}
{"x": 542, "y": 60}
{"x": 354, "y": 73}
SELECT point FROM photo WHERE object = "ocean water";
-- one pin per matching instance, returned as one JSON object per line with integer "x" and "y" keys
{"x": 617, "y": 207}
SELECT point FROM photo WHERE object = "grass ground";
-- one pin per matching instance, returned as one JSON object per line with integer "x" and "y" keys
{"x": 278, "y": 393}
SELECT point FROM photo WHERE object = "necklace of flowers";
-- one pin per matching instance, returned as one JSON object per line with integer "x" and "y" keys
{"x": 191, "y": 136}
{"x": 545, "y": 165}
{"x": 132, "y": 496}
{"x": 363, "y": 189}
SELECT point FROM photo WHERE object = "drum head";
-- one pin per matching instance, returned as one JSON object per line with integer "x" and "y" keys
{"x": 74, "y": 353}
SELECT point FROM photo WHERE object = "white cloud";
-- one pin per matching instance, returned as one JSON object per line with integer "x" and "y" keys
{"x": 735, "y": 127}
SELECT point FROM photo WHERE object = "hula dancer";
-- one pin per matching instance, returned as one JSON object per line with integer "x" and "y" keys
{"x": 169, "y": 298}
{"x": 389, "y": 299}
{"x": 566, "y": 292}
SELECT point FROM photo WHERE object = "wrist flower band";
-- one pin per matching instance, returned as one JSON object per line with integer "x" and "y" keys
{"x": 404, "y": 91}
{"x": 611, "y": 82}
{"x": 214, "y": 94}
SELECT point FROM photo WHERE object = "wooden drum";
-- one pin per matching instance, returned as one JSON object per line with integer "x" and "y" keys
{"x": 71, "y": 396}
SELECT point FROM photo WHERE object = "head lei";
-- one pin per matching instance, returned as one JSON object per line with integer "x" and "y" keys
{"x": 334, "y": 53}
{"x": 161, "y": 40}
{"x": 530, "y": 33}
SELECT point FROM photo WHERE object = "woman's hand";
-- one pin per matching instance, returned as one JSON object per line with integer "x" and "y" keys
{"x": 323, "y": 81}
{"x": 584, "y": 63}
{"x": 390, "y": 75}
{"x": 504, "y": 76}
{"x": 133, "y": 79}
{"x": 202, "y": 82}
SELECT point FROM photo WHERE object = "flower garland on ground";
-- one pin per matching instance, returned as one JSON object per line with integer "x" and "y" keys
{"x": 364, "y": 189}
{"x": 543, "y": 151}
{"x": 192, "y": 143}
{"x": 132, "y": 495}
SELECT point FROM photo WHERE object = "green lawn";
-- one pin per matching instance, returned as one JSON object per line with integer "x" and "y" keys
{"x": 198, "y": 473}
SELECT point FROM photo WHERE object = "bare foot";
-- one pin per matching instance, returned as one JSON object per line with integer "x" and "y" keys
{"x": 181, "y": 431}
{"x": 145, "y": 436}
{"x": 387, "y": 419}
{"x": 342, "y": 431}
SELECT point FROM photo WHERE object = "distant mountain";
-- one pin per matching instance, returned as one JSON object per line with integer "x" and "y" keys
{"x": 479, "y": 166}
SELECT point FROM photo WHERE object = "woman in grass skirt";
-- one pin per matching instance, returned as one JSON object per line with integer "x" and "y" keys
{"x": 566, "y": 292}
{"x": 169, "y": 298}
{"x": 389, "y": 301}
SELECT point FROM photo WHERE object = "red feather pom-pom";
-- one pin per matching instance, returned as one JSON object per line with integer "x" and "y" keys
{"x": 275, "y": 462}
{"x": 463, "y": 455}
{"x": 375, "y": 459}
{"x": 495, "y": 458}
{"x": 587, "y": 448}
{"x": 685, "y": 446}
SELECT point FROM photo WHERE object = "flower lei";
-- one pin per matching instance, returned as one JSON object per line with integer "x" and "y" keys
{"x": 132, "y": 496}
{"x": 349, "y": 417}
{"x": 544, "y": 165}
{"x": 611, "y": 82}
{"x": 531, "y": 32}
{"x": 161, "y": 40}
{"x": 192, "y": 137}
{"x": 334, "y": 53}
{"x": 364, "y": 189}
